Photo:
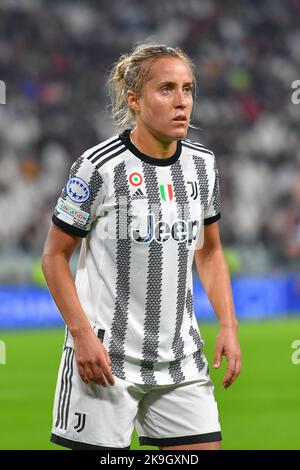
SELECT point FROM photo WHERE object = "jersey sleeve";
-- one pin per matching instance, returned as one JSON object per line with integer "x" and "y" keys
{"x": 83, "y": 194}
{"x": 213, "y": 210}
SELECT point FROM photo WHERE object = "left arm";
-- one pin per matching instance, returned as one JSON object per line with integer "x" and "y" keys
{"x": 214, "y": 275}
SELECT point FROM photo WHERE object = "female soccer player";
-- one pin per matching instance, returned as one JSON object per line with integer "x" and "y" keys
{"x": 141, "y": 202}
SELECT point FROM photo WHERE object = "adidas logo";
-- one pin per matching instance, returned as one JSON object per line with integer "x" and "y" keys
{"x": 138, "y": 194}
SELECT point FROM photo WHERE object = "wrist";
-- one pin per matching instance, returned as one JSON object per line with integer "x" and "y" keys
{"x": 232, "y": 325}
{"x": 78, "y": 331}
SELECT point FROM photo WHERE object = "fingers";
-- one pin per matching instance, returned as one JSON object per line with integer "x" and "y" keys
{"x": 108, "y": 360}
{"x": 233, "y": 370}
{"x": 227, "y": 380}
{"x": 218, "y": 359}
{"x": 106, "y": 368}
{"x": 93, "y": 360}
{"x": 238, "y": 366}
{"x": 82, "y": 373}
{"x": 96, "y": 373}
{"x": 97, "y": 376}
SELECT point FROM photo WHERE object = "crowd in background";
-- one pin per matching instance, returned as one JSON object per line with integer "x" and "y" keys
{"x": 55, "y": 57}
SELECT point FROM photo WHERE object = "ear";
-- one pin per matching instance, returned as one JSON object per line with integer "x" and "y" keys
{"x": 133, "y": 101}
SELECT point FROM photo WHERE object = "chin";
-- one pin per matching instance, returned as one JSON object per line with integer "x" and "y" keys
{"x": 180, "y": 133}
{"x": 173, "y": 134}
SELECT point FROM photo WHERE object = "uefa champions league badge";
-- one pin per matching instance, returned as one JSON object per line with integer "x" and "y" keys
{"x": 78, "y": 190}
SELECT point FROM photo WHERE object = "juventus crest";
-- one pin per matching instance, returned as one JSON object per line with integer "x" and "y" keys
{"x": 194, "y": 189}
{"x": 81, "y": 422}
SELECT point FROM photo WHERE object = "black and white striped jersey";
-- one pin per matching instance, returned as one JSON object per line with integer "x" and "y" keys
{"x": 141, "y": 218}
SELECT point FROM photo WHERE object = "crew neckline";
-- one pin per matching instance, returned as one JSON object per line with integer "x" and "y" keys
{"x": 125, "y": 138}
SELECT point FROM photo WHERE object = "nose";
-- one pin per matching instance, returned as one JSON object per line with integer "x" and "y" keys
{"x": 181, "y": 99}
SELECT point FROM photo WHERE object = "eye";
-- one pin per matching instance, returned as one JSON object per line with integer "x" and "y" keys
{"x": 188, "y": 89}
{"x": 166, "y": 88}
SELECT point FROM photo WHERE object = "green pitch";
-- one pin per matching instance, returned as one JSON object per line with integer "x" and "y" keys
{"x": 260, "y": 411}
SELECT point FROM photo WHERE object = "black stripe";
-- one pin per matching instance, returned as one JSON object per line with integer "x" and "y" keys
{"x": 95, "y": 184}
{"x": 203, "y": 183}
{"x": 62, "y": 424}
{"x": 123, "y": 261}
{"x": 195, "y": 144}
{"x": 183, "y": 212}
{"x": 194, "y": 333}
{"x": 69, "y": 444}
{"x": 154, "y": 282}
{"x": 69, "y": 228}
{"x": 110, "y": 149}
{"x": 190, "y": 142}
{"x": 66, "y": 370}
{"x": 66, "y": 337}
{"x": 110, "y": 157}
{"x": 213, "y": 219}
{"x": 99, "y": 149}
{"x": 70, "y": 390}
{"x": 61, "y": 389}
{"x": 101, "y": 334}
{"x": 184, "y": 144}
{"x": 173, "y": 441}
{"x": 216, "y": 191}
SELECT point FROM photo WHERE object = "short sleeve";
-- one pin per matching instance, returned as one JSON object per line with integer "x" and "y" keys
{"x": 213, "y": 210}
{"x": 76, "y": 209}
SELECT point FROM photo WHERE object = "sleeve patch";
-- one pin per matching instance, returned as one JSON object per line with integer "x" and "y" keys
{"x": 78, "y": 190}
{"x": 76, "y": 214}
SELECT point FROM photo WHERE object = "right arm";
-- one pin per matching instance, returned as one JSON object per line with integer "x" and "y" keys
{"x": 92, "y": 357}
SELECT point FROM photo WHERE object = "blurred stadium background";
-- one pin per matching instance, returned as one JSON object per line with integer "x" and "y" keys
{"x": 54, "y": 59}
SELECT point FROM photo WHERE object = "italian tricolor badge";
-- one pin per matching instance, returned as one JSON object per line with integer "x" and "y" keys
{"x": 166, "y": 192}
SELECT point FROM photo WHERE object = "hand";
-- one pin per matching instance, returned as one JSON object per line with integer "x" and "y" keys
{"x": 92, "y": 358}
{"x": 227, "y": 345}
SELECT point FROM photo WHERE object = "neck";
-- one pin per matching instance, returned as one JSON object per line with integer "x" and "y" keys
{"x": 151, "y": 145}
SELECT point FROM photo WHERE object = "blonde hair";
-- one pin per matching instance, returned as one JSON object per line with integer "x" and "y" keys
{"x": 131, "y": 72}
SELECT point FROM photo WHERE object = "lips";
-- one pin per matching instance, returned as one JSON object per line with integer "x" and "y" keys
{"x": 180, "y": 118}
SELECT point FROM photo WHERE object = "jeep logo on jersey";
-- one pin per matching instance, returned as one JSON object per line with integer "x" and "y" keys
{"x": 166, "y": 192}
{"x": 179, "y": 231}
{"x": 77, "y": 189}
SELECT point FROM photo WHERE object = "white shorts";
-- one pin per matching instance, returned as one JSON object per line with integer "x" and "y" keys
{"x": 96, "y": 417}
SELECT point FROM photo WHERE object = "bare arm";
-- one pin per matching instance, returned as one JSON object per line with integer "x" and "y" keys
{"x": 214, "y": 275}
{"x": 92, "y": 358}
